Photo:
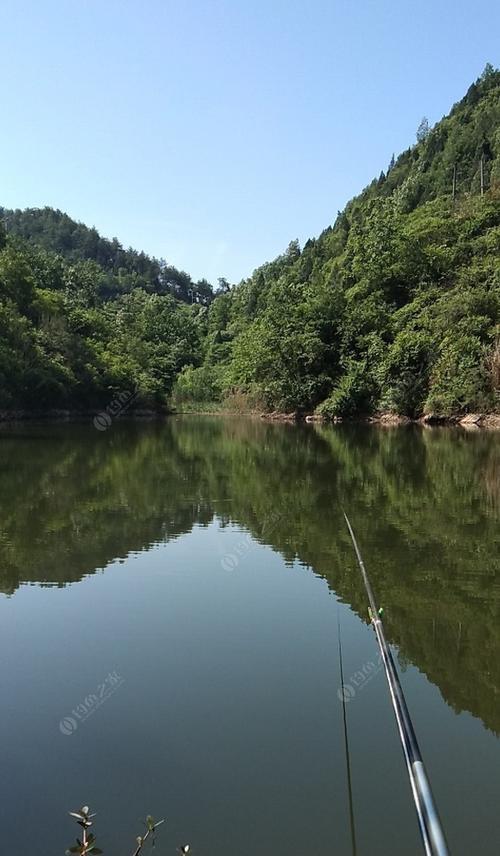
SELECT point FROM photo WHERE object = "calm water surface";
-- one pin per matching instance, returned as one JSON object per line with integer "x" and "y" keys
{"x": 168, "y": 634}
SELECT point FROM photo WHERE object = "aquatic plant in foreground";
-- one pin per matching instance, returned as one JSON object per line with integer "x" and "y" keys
{"x": 87, "y": 844}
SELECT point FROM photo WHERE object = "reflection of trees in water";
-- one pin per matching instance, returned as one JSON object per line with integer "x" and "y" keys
{"x": 490, "y": 476}
{"x": 71, "y": 503}
{"x": 424, "y": 504}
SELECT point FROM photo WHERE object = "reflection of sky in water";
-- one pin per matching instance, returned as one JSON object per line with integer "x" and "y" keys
{"x": 220, "y": 555}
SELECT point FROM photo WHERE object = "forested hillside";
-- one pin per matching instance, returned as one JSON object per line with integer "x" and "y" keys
{"x": 65, "y": 344}
{"x": 395, "y": 307}
{"x": 120, "y": 271}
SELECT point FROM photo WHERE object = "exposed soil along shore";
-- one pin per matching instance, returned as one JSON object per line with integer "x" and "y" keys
{"x": 470, "y": 421}
{"x": 103, "y": 418}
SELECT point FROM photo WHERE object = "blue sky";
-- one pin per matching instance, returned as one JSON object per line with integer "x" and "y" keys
{"x": 211, "y": 132}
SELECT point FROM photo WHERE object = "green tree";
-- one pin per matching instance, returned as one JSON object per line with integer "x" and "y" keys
{"x": 423, "y": 130}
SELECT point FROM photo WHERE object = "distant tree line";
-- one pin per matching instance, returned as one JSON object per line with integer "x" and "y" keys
{"x": 124, "y": 269}
{"x": 65, "y": 343}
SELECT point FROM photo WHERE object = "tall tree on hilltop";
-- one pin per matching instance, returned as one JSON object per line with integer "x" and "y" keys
{"x": 423, "y": 130}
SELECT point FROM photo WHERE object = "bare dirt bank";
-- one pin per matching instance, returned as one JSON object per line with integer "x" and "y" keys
{"x": 469, "y": 421}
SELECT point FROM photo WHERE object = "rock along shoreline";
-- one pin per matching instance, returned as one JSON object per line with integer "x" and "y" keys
{"x": 469, "y": 421}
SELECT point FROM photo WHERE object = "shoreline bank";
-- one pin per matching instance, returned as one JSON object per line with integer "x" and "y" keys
{"x": 468, "y": 421}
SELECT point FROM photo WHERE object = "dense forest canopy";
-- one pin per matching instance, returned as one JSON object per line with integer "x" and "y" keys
{"x": 121, "y": 270}
{"x": 395, "y": 307}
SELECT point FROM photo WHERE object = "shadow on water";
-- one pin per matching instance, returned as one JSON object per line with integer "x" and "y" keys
{"x": 425, "y": 505}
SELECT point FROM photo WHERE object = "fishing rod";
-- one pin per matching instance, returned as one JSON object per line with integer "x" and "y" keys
{"x": 428, "y": 819}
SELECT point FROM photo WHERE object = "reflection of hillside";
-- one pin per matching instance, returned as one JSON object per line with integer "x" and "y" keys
{"x": 73, "y": 500}
{"x": 424, "y": 504}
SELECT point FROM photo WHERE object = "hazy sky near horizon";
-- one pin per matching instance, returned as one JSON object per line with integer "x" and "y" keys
{"x": 210, "y": 132}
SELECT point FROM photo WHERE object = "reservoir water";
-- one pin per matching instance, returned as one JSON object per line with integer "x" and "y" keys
{"x": 170, "y": 600}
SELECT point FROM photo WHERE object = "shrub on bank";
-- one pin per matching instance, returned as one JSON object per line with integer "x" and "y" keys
{"x": 353, "y": 395}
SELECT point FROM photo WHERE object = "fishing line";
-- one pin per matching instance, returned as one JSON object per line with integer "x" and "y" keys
{"x": 346, "y": 739}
